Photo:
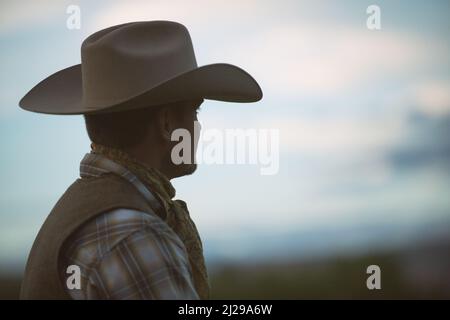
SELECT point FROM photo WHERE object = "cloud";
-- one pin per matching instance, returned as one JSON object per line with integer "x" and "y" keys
{"x": 433, "y": 98}
{"x": 194, "y": 14}
{"x": 327, "y": 60}
{"x": 337, "y": 136}
{"x": 426, "y": 143}
{"x": 23, "y": 15}
{"x": 425, "y": 96}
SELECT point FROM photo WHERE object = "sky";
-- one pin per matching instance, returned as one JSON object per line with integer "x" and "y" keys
{"x": 363, "y": 117}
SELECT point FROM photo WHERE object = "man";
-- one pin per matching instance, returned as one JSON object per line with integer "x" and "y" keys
{"x": 117, "y": 226}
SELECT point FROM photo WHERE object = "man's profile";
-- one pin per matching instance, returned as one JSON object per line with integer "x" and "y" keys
{"x": 137, "y": 83}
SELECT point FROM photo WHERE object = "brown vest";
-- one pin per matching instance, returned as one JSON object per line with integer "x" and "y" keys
{"x": 83, "y": 200}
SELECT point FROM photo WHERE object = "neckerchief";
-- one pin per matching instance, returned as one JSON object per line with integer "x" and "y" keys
{"x": 176, "y": 213}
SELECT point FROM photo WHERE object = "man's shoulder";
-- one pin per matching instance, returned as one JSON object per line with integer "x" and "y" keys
{"x": 100, "y": 235}
{"x": 105, "y": 245}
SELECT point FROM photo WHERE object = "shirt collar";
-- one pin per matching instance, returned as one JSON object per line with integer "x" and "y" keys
{"x": 94, "y": 165}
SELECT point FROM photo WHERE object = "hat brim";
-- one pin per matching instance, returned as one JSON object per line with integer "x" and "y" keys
{"x": 61, "y": 93}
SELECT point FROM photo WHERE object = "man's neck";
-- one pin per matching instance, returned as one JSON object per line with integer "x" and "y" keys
{"x": 151, "y": 157}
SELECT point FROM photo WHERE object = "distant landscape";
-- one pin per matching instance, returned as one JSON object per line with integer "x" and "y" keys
{"x": 422, "y": 272}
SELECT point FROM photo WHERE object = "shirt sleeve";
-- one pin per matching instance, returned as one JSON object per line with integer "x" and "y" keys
{"x": 148, "y": 264}
{"x": 127, "y": 254}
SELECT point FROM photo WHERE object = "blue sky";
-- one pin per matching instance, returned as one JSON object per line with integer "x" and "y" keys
{"x": 364, "y": 120}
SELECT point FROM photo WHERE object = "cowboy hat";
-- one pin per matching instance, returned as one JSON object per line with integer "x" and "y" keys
{"x": 136, "y": 65}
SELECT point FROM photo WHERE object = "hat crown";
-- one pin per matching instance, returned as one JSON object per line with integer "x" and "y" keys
{"x": 125, "y": 60}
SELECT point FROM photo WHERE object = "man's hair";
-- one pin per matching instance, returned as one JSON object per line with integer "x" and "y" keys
{"x": 120, "y": 129}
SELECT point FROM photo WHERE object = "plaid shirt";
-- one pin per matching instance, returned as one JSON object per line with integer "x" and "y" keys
{"x": 127, "y": 254}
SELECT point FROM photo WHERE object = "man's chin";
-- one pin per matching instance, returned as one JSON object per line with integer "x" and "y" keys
{"x": 191, "y": 168}
{"x": 186, "y": 169}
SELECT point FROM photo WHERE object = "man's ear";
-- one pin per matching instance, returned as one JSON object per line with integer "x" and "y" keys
{"x": 164, "y": 124}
